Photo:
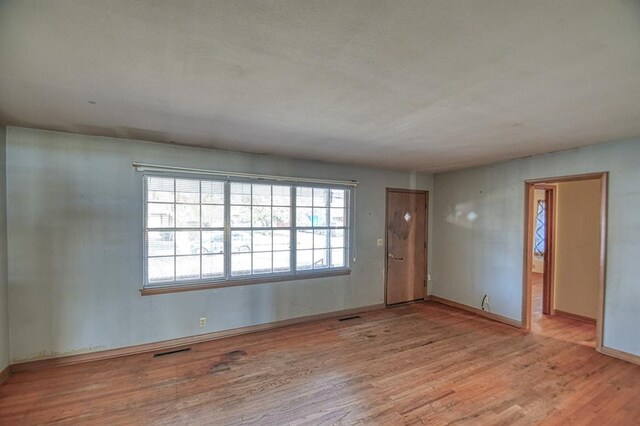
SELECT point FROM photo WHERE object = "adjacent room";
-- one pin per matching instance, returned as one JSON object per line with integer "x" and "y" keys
{"x": 319, "y": 212}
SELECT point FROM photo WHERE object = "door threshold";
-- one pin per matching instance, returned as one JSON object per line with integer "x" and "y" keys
{"x": 406, "y": 303}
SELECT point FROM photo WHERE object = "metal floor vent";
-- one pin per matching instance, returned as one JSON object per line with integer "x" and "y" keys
{"x": 171, "y": 352}
{"x": 349, "y": 318}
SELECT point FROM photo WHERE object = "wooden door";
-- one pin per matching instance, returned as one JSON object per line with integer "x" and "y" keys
{"x": 406, "y": 245}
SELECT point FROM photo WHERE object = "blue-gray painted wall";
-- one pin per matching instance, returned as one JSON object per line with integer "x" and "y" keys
{"x": 478, "y": 238}
{"x": 75, "y": 246}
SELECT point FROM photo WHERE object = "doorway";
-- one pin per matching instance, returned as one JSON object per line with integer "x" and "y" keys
{"x": 564, "y": 276}
{"x": 406, "y": 245}
{"x": 543, "y": 211}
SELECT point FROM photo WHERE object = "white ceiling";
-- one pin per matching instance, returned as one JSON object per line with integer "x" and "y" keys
{"x": 418, "y": 85}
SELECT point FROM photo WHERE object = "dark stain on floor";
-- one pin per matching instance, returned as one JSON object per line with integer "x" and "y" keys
{"x": 226, "y": 361}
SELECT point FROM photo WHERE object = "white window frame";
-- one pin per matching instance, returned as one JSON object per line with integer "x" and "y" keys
{"x": 228, "y": 279}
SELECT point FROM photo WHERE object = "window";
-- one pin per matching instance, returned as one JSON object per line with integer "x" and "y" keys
{"x": 320, "y": 228}
{"x": 260, "y": 229}
{"x": 213, "y": 231}
{"x": 539, "y": 242}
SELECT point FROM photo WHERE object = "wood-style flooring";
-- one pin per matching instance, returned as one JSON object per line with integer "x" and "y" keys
{"x": 423, "y": 363}
{"x": 558, "y": 326}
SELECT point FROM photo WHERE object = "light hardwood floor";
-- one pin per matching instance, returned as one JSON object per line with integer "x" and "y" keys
{"x": 424, "y": 363}
{"x": 558, "y": 326}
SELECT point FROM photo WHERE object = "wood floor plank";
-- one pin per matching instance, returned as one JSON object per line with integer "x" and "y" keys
{"x": 423, "y": 363}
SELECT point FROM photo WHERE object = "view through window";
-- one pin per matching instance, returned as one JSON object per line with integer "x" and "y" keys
{"x": 539, "y": 242}
{"x": 205, "y": 230}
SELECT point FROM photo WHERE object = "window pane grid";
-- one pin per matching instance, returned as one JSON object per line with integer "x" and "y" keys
{"x": 326, "y": 245}
{"x": 320, "y": 212}
{"x": 176, "y": 228}
{"x": 199, "y": 229}
{"x": 259, "y": 227}
{"x": 539, "y": 241}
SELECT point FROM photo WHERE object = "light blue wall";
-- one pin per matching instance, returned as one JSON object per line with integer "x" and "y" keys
{"x": 478, "y": 234}
{"x": 75, "y": 246}
{"x": 74, "y": 231}
{"x": 4, "y": 307}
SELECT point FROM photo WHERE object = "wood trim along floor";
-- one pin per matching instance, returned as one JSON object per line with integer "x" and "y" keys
{"x": 4, "y": 374}
{"x": 420, "y": 364}
{"x": 182, "y": 342}
{"x": 187, "y": 341}
{"x": 490, "y": 315}
{"x": 575, "y": 316}
{"x": 625, "y": 356}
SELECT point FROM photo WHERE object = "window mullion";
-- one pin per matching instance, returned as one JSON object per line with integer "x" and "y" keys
{"x": 200, "y": 232}
{"x": 349, "y": 223}
{"x": 251, "y": 229}
{"x": 227, "y": 230}
{"x": 293, "y": 258}
{"x": 175, "y": 234}
{"x": 271, "y": 221}
{"x": 327, "y": 235}
{"x": 145, "y": 249}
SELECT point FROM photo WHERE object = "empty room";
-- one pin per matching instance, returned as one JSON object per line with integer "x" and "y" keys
{"x": 284, "y": 212}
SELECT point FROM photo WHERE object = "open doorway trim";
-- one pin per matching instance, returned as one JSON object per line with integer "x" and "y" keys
{"x": 528, "y": 248}
{"x": 548, "y": 292}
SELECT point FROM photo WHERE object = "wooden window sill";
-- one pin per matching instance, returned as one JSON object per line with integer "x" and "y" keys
{"x": 149, "y": 291}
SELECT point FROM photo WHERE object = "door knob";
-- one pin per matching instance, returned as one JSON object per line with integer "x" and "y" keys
{"x": 395, "y": 258}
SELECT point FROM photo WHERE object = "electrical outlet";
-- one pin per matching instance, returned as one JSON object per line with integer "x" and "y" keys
{"x": 380, "y": 242}
{"x": 428, "y": 277}
{"x": 203, "y": 321}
